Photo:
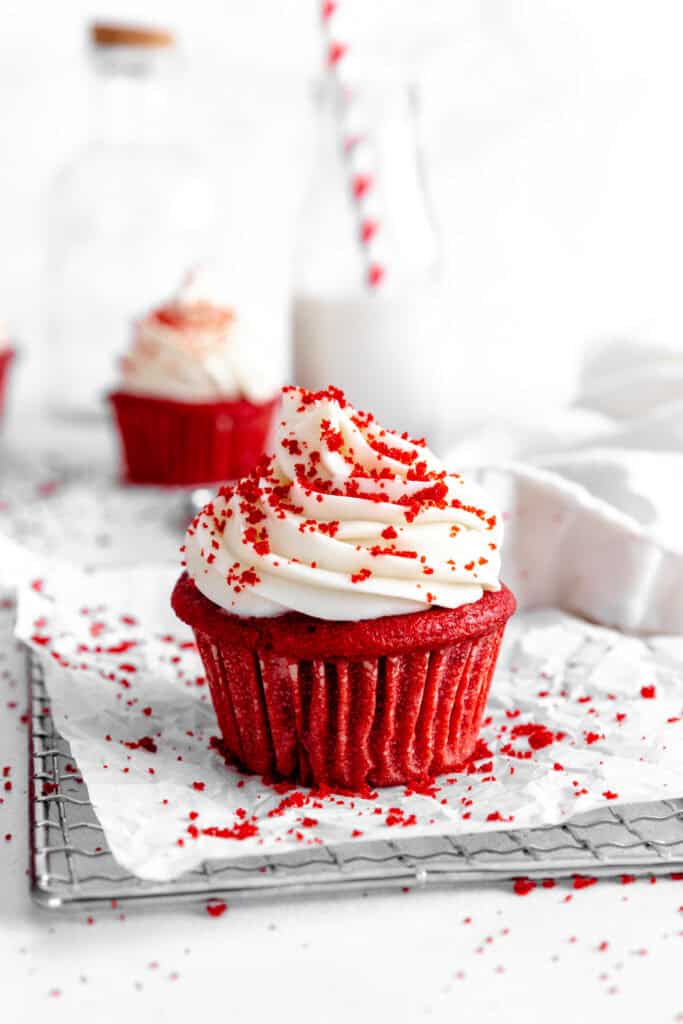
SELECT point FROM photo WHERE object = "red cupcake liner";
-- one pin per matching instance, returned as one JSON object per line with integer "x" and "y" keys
{"x": 6, "y": 360}
{"x": 349, "y": 722}
{"x": 180, "y": 443}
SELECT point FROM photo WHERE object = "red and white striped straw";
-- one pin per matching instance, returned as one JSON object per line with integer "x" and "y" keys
{"x": 355, "y": 145}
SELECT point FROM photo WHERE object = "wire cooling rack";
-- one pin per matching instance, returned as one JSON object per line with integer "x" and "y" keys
{"x": 72, "y": 865}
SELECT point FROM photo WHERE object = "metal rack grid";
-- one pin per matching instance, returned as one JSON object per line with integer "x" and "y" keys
{"x": 71, "y": 863}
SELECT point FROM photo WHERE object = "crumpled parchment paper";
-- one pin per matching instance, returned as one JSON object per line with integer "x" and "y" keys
{"x": 579, "y": 716}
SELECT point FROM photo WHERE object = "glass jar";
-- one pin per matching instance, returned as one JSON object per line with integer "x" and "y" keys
{"x": 385, "y": 346}
{"x": 126, "y": 216}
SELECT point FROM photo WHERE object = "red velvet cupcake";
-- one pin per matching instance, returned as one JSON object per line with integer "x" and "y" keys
{"x": 346, "y": 604}
{"x": 6, "y": 359}
{"x": 168, "y": 442}
{"x": 193, "y": 407}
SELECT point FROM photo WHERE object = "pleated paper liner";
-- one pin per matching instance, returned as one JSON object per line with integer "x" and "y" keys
{"x": 350, "y": 722}
{"x": 171, "y": 443}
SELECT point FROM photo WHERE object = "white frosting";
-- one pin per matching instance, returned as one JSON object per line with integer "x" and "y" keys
{"x": 195, "y": 350}
{"x": 347, "y": 521}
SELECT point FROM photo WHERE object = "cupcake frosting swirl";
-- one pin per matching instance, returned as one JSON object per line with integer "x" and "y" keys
{"x": 193, "y": 349}
{"x": 347, "y": 521}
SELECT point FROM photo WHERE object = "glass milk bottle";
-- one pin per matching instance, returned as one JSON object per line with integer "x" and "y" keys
{"x": 126, "y": 217}
{"x": 384, "y": 345}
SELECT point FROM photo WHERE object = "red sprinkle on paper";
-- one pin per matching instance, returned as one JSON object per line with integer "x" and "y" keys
{"x": 496, "y": 816}
{"x": 583, "y": 881}
{"x": 216, "y": 908}
{"x": 523, "y": 886}
{"x": 242, "y": 830}
{"x": 368, "y": 230}
{"x": 335, "y": 52}
{"x": 648, "y": 692}
{"x": 144, "y": 743}
{"x": 376, "y": 274}
{"x": 361, "y": 185}
{"x": 199, "y": 786}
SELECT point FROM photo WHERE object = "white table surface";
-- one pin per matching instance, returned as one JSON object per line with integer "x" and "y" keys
{"x": 610, "y": 952}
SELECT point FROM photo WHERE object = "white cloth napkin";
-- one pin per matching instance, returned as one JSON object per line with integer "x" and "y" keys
{"x": 592, "y": 499}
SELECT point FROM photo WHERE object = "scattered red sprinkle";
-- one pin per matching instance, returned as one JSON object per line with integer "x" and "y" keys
{"x": 368, "y": 230}
{"x": 375, "y": 274}
{"x": 523, "y": 886}
{"x": 583, "y": 881}
{"x": 144, "y": 743}
{"x": 242, "y": 830}
{"x": 361, "y": 185}
{"x": 216, "y": 908}
{"x": 648, "y": 692}
{"x": 335, "y": 53}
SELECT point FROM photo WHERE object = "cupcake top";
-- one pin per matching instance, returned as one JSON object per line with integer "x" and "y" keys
{"x": 193, "y": 349}
{"x": 346, "y": 521}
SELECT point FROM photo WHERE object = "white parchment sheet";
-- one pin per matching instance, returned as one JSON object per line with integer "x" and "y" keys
{"x": 580, "y": 716}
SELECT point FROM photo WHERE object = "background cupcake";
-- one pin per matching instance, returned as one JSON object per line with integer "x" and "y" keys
{"x": 195, "y": 402}
{"x": 346, "y": 603}
{"x": 6, "y": 358}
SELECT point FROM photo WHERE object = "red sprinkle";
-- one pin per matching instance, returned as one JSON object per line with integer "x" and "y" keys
{"x": 216, "y": 908}
{"x": 583, "y": 881}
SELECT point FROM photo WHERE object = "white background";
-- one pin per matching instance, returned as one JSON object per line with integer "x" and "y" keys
{"x": 552, "y": 130}
{"x": 555, "y": 156}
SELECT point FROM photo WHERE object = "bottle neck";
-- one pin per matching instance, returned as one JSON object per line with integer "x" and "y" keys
{"x": 135, "y": 97}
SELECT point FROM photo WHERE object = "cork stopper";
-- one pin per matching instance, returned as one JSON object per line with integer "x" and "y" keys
{"x": 110, "y": 33}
